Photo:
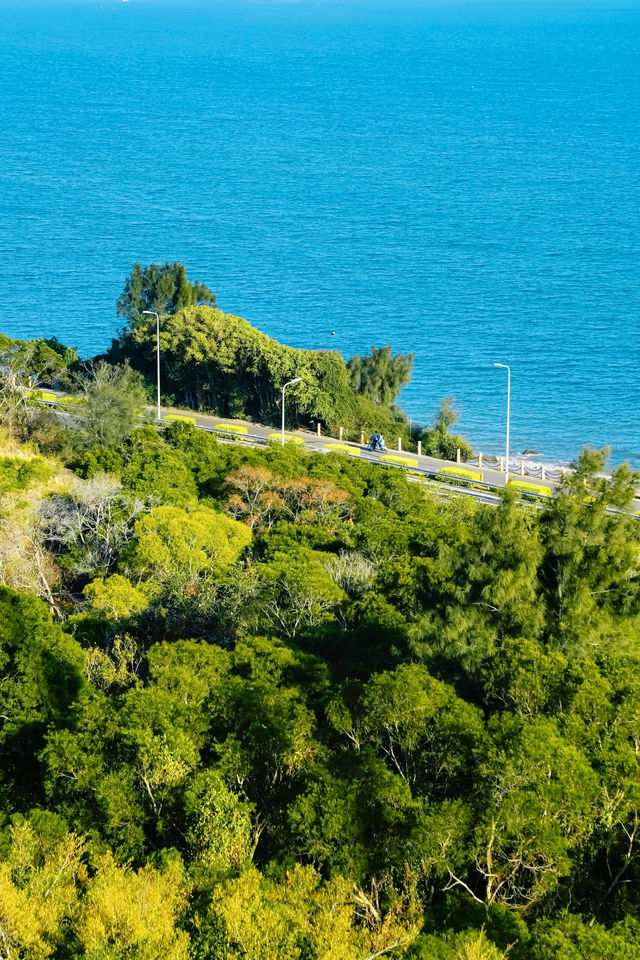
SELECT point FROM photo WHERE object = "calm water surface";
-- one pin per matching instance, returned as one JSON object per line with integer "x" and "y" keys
{"x": 462, "y": 181}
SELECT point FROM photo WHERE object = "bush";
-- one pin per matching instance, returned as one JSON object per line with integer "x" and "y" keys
{"x": 181, "y": 418}
{"x": 402, "y": 461}
{"x": 524, "y": 487}
{"x": 342, "y": 448}
{"x": 18, "y": 474}
{"x": 229, "y": 428}
{"x": 445, "y": 446}
{"x": 461, "y": 472}
{"x": 288, "y": 438}
{"x": 42, "y": 396}
{"x": 98, "y": 460}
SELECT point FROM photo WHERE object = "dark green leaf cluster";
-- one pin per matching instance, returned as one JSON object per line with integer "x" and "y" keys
{"x": 164, "y": 288}
{"x": 379, "y": 376}
{"x": 438, "y": 442}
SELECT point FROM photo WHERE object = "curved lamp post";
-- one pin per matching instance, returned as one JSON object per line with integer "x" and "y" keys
{"x": 153, "y": 313}
{"x": 288, "y": 384}
{"x": 506, "y": 462}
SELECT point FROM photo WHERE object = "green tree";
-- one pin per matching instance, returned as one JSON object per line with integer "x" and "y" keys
{"x": 295, "y": 592}
{"x": 438, "y": 442}
{"x": 220, "y": 833}
{"x": 218, "y": 362}
{"x": 482, "y": 585}
{"x": 156, "y": 471}
{"x": 570, "y": 938}
{"x": 40, "y": 676}
{"x": 469, "y": 945}
{"x": 112, "y": 398}
{"x": 163, "y": 288}
{"x": 591, "y": 566}
{"x": 426, "y": 733}
{"x": 173, "y": 544}
{"x": 379, "y": 376}
{"x": 539, "y": 807}
{"x": 115, "y": 597}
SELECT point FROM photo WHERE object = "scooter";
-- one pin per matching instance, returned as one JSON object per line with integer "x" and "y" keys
{"x": 374, "y": 446}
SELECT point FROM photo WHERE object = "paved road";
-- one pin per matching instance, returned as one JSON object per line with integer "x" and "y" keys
{"x": 428, "y": 467}
{"x": 490, "y": 477}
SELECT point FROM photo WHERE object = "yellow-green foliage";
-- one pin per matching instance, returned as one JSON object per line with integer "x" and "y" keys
{"x": 267, "y": 919}
{"x": 115, "y": 597}
{"x": 174, "y": 543}
{"x": 70, "y": 402}
{"x": 288, "y": 437}
{"x": 230, "y": 428}
{"x": 18, "y": 473}
{"x": 38, "y": 891}
{"x": 40, "y": 395}
{"x": 180, "y": 418}
{"x": 462, "y": 473}
{"x": 403, "y": 461}
{"x": 221, "y": 832}
{"x": 342, "y": 448}
{"x": 129, "y": 913}
{"x": 536, "y": 488}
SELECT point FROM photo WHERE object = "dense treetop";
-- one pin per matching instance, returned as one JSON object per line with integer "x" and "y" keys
{"x": 278, "y": 704}
{"x": 214, "y": 361}
{"x": 163, "y": 288}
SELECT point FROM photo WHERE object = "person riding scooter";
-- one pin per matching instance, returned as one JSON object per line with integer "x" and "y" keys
{"x": 376, "y": 443}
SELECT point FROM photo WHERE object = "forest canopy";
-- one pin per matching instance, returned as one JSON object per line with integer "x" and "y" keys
{"x": 267, "y": 704}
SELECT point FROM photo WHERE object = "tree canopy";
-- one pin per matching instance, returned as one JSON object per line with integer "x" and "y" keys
{"x": 214, "y": 361}
{"x": 164, "y": 288}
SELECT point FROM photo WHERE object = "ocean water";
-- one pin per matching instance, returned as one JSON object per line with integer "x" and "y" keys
{"x": 459, "y": 180}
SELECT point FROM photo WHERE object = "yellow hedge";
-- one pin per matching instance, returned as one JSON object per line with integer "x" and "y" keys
{"x": 288, "y": 438}
{"x": 342, "y": 448}
{"x": 230, "y": 428}
{"x": 525, "y": 487}
{"x": 180, "y": 418}
{"x": 462, "y": 474}
{"x": 42, "y": 395}
{"x": 403, "y": 461}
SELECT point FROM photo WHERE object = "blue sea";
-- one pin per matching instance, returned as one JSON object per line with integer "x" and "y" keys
{"x": 459, "y": 180}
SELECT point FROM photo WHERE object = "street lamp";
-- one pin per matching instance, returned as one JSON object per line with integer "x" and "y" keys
{"x": 506, "y": 462}
{"x": 288, "y": 384}
{"x": 153, "y": 313}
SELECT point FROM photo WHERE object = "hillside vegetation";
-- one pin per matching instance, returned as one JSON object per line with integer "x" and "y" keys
{"x": 213, "y": 361}
{"x": 273, "y": 704}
